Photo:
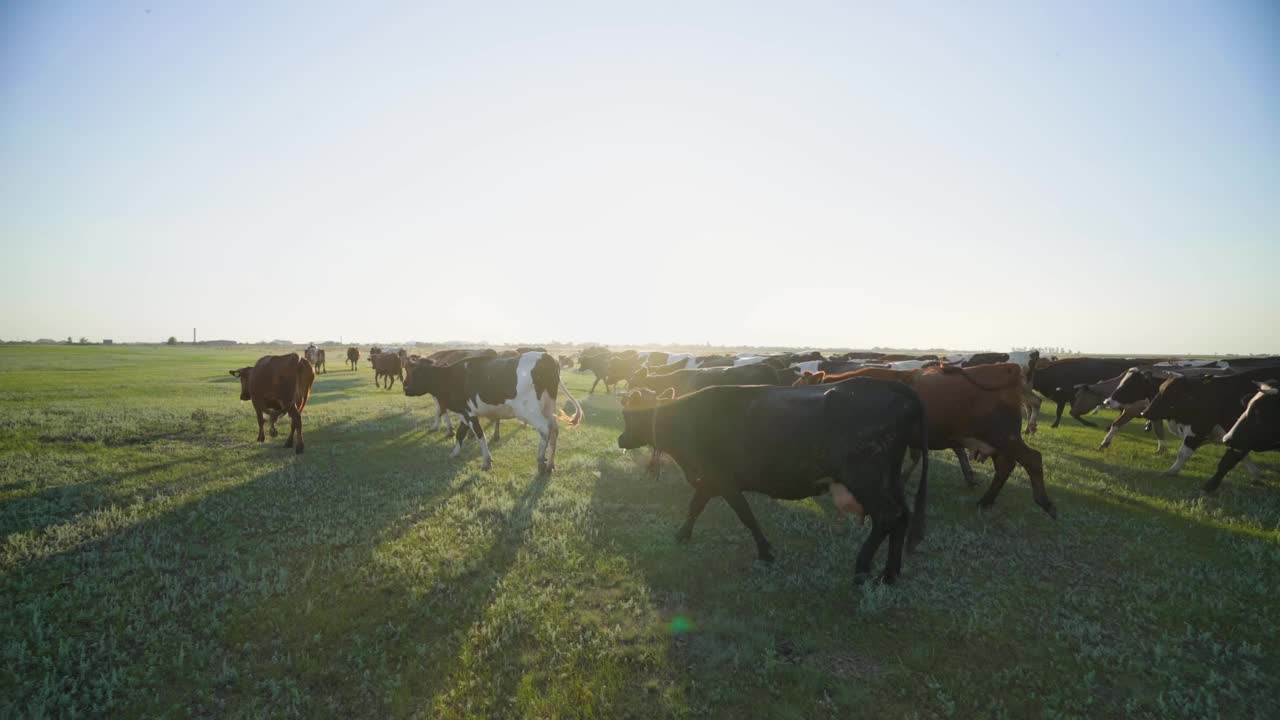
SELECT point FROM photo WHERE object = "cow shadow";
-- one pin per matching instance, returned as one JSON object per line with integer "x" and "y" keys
{"x": 326, "y": 390}
{"x": 354, "y": 489}
{"x": 695, "y": 586}
{"x": 1146, "y": 489}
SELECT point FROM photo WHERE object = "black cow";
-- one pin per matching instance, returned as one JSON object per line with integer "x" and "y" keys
{"x": 597, "y": 363}
{"x": 793, "y": 443}
{"x": 523, "y": 387}
{"x": 1256, "y": 430}
{"x": 1205, "y": 407}
{"x": 687, "y": 381}
{"x": 1057, "y": 381}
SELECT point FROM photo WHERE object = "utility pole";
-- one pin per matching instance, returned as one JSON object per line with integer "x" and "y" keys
{"x": 193, "y": 336}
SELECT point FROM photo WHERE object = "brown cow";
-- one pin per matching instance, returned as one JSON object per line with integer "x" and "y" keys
{"x": 353, "y": 357}
{"x": 978, "y": 408}
{"x": 278, "y": 385}
{"x": 566, "y": 361}
{"x": 388, "y": 365}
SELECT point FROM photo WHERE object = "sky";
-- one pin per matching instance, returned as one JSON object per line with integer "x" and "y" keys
{"x": 1091, "y": 175}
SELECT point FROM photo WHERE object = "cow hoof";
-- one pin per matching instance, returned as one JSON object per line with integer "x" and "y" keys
{"x": 298, "y": 451}
{"x": 545, "y": 468}
{"x": 765, "y": 556}
{"x": 261, "y": 439}
{"x": 1052, "y": 510}
{"x": 274, "y": 432}
{"x": 984, "y": 504}
{"x": 683, "y": 536}
{"x": 861, "y": 578}
{"x": 487, "y": 466}
{"x": 888, "y": 579}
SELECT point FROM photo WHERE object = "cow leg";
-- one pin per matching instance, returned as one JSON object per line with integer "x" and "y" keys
{"x": 261, "y": 436}
{"x": 553, "y": 441}
{"x": 1229, "y": 460}
{"x": 295, "y": 426}
{"x": 1116, "y": 424}
{"x": 1185, "y": 452}
{"x": 497, "y": 430}
{"x": 1157, "y": 427}
{"x": 464, "y": 427}
{"x": 739, "y": 504}
{"x": 696, "y": 505}
{"x": 1003, "y": 465}
{"x": 965, "y": 468}
{"x": 862, "y": 565}
{"x": 1080, "y": 418}
{"x": 1058, "y": 417}
{"x": 1030, "y": 461}
{"x": 592, "y": 391}
{"x": 1032, "y": 403}
{"x": 484, "y": 444}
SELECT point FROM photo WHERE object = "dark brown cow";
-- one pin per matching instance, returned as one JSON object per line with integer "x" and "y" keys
{"x": 566, "y": 361}
{"x": 353, "y": 357}
{"x": 278, "y": 385}
{"x": 978, "y": 408}
{"x": 453, "y": 355}
{"x": 387, "y": 365}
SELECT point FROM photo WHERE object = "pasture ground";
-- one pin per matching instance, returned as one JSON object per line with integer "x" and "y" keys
{"x": 157, "y": 561}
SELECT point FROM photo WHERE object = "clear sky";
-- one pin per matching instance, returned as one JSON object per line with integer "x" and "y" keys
{"x": 1096, "y": 175}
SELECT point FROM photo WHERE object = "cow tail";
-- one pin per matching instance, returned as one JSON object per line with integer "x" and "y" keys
{"x": 916, "y": 531}
{"x": 306, "y": 376}
{"x": 577, "y": 416}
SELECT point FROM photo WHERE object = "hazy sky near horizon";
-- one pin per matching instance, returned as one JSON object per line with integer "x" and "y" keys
{"x": 1099, "y": 176}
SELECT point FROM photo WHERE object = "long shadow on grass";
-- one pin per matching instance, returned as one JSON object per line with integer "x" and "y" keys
{"x": 1238, "y": 497}
{"x": 226, "y": 555}
{"x": 723, "y": 612}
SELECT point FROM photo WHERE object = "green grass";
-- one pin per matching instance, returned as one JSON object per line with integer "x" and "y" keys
{"x": 157, "y": 561}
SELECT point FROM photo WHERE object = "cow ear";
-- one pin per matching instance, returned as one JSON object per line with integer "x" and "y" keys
{"x": 1268, "y": 387}
{"x": 234, "y": 373}
{"x": 668, "y": 394}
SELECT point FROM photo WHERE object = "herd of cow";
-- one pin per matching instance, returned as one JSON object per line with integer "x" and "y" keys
{"x": 796, "y": 425}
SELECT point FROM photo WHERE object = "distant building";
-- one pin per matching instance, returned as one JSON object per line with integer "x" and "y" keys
{"x": 106, "y": 341}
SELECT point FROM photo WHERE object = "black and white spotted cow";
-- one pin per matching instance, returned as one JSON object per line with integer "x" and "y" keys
{"x": 1201, "y": 409}
{"x": 523, "y": 387}
{"x": 315, "y": 356}
{"x": 1256, "y": 430}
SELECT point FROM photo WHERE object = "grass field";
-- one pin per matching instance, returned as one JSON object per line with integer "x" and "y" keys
{"x": 157, "y": 561}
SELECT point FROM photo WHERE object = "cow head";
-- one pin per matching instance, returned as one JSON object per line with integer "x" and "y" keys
{"x": 1262, "y": 410}
{"x": 244, "y": 374}
{"x": 621, "y": 367}
{"x": 638, "y": 409}
{"x": 1134, "y": 386}
{"x": 420, "y": 378}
